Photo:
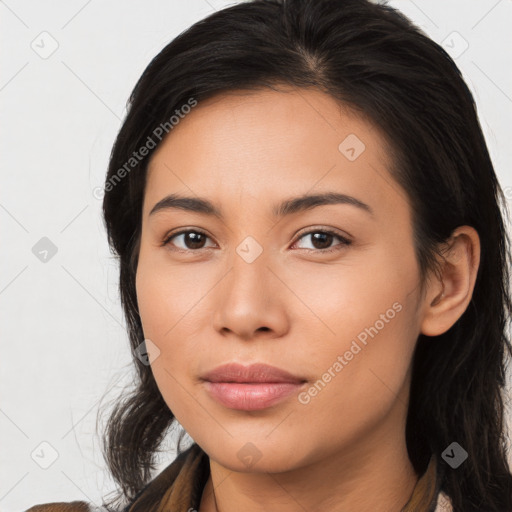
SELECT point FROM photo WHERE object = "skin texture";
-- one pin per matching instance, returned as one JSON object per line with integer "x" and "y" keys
{"x": 291, "y": 307}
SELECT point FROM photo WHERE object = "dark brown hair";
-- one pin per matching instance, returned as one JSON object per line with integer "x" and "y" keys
{"x": 374, "y": 60}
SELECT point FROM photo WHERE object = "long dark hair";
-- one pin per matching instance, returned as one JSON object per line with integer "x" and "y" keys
{"x": 373, "y": 59}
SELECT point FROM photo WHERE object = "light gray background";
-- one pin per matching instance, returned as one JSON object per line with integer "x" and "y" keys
{"x": 64, "y": 345}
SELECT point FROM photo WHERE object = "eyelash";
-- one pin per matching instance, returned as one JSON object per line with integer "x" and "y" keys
{"x": 344, "y": 241}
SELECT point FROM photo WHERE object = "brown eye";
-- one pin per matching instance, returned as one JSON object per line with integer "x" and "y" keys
{"x": 189, "y": 240}
{"x": 322, "y": 240}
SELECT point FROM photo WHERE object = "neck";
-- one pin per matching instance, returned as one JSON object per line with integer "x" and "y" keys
{"x": 375, "y": 473}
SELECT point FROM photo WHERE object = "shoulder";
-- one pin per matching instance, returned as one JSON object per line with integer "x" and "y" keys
{"x": 72, "y": 506}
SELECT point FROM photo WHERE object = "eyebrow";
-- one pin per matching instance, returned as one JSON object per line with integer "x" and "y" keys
{"x": 287, "y": 207}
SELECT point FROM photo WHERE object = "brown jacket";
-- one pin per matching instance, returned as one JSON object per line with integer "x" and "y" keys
{"x": 179, "y": 487}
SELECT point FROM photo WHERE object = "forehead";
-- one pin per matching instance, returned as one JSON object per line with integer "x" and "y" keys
{"x": 267, "y": 143}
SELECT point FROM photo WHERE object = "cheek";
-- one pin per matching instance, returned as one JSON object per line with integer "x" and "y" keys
{"x": 360, "y": 382}
{"x": 369, "y": 329}
{"x": 163, "y": 316}
{"x": 338, "y": 302}
{"x": 165, "y": 298}
{"x": 168, "y": 303}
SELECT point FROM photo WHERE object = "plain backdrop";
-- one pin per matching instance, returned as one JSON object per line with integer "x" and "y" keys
{"x": 68, "y": 68}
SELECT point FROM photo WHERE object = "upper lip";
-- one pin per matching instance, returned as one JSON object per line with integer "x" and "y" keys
{"x": 257, "y": 372}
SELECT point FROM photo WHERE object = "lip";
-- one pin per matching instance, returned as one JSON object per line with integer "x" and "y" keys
{"x": 254, "y": 373}
{"x": 249, "y": 388}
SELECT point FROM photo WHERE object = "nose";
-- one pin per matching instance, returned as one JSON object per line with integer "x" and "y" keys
{"x": 250, "y": 301}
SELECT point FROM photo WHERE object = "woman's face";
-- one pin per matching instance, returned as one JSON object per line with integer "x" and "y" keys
{"x": 256, "y": 283}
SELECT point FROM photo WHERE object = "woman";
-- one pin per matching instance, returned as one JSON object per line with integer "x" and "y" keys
{"x": 314, "y": 269}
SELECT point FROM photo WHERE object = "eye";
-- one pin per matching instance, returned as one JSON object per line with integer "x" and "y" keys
{"x": 191, "y": 238}
{"x": 323, "y": 238}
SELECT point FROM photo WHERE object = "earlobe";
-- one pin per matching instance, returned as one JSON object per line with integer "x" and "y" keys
{"x": 449, "y": 295}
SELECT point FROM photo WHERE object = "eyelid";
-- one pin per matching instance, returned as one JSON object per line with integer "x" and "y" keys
{"x": 324, "y": 229}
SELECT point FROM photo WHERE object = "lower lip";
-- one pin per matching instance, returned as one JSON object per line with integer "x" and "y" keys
{"x": 251, "y": 396}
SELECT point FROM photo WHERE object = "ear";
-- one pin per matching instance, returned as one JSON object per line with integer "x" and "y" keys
{"x": 446, "y": 300}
